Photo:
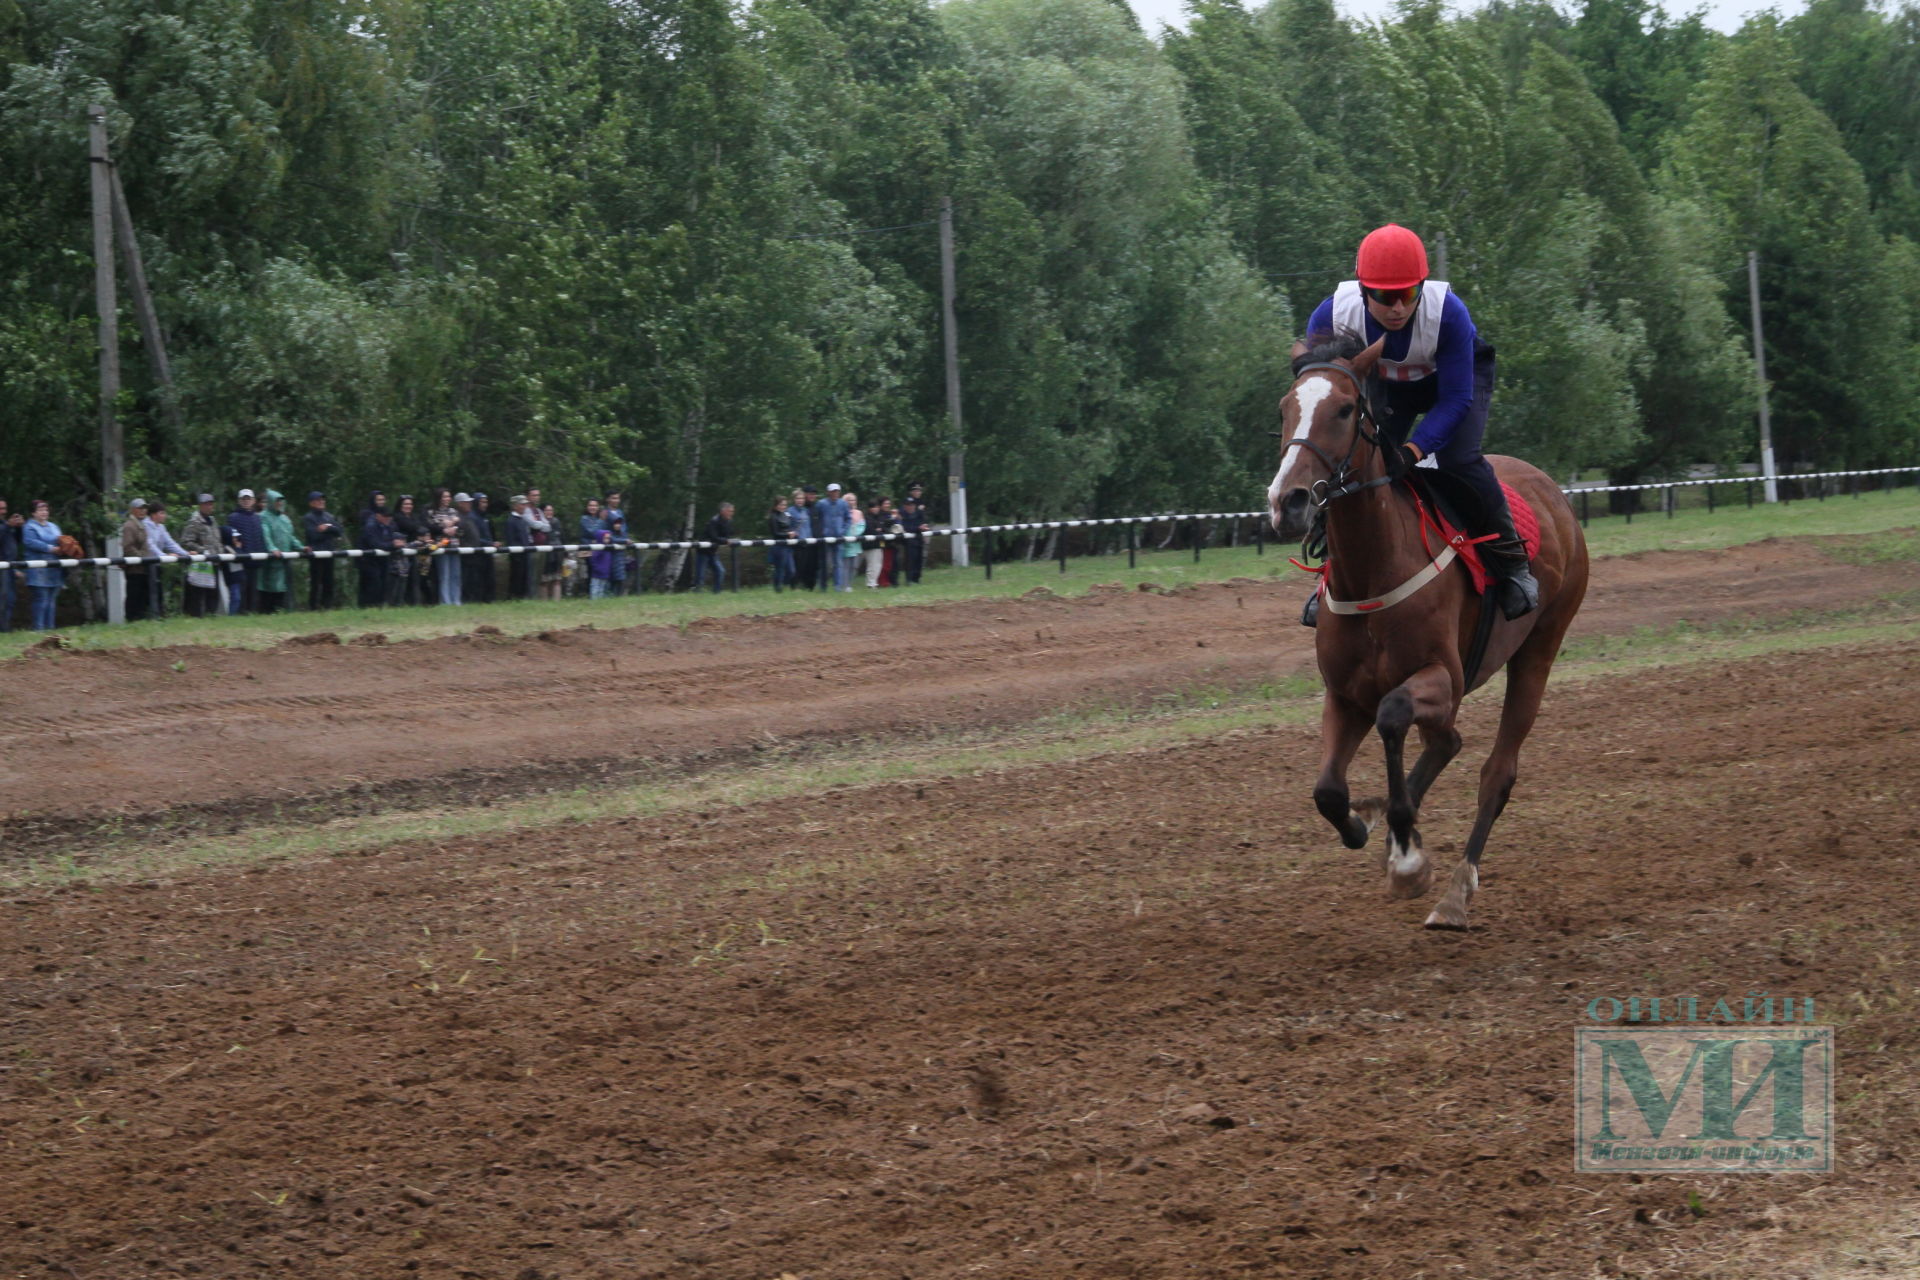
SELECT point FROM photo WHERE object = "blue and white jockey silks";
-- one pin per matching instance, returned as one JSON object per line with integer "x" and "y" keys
{"x": 1421, "y": 358}
{"x": 1428, "y": 366}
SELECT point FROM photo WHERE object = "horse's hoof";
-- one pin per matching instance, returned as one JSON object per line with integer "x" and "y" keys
{"x": 1371, "y": 811}
{"x": 1407, "y": 887}
{"x": 1452, "y": 911}
{"x": 1409, "y": 873}
{"x": 1362, "y": 819}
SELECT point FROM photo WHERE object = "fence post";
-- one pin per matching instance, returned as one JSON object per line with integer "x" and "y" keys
{"x": 1133, "y": 534}
{"x": 1710, "y": 489}
{"x": 1062, "y": 544}
{"x": 1749, "y": 495}
{"x": 1584, "y": 495}
{"x": 1195, "y": 526}
{"x": 1672, "y": 495}
{"x": 987, "y": 554}
{"x": 1259, "y": 535}
{"x": 734, "y": 556}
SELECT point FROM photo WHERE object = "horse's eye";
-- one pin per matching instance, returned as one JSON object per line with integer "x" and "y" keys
{"x": 1346, "y": 411}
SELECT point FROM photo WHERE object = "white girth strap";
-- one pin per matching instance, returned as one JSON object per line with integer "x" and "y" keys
{"x": 1393, "y": 597}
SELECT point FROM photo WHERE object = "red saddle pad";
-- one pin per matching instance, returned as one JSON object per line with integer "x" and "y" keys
{"x": 1526, "y": 523}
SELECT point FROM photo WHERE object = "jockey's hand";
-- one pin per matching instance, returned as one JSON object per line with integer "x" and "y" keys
{"x": 1414, "y": 450}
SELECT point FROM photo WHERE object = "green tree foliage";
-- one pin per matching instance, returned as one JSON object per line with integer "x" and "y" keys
{"x": 1862, "y": 67}
{"x": 1283, "y": 189}
{"x": 1624, "y": 355}
{"x": 686, "y": 246}
{"x": 1115, "y": 327}
{"x": 1773, "y": 170}
{"x": 1643, "y": 63}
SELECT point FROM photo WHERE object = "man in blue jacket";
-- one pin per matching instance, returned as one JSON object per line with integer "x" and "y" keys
{"x": 1435, "y": 378}
{"x": 831, "y": 519}
{"x": 251, "y": 538}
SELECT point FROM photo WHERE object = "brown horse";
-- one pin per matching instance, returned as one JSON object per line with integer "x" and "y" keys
{"x": 1401, "y": 664}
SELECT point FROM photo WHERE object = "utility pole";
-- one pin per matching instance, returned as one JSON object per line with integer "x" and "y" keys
{"x": 113, "y": 463}
{"x": 143, "y": 301}
{"x": 1760, "y": 371}
{"x": 1440, "y": 256}
{"x": 950, "y": 340}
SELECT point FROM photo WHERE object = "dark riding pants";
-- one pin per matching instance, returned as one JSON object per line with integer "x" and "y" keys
{"x": 1400, "y": 404}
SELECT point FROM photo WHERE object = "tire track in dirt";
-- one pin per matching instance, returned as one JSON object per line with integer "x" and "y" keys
{"x": 741, "y": 678}
{"x": 135, "y": 733}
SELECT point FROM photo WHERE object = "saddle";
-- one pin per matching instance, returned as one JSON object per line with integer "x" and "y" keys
{"x": 1442, "y": 501}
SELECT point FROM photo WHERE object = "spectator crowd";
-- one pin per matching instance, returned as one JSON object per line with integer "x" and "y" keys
{"x": 432, "y": 546}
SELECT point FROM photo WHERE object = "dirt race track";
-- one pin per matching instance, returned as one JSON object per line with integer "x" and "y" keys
{"x": 1133, "y": 1016}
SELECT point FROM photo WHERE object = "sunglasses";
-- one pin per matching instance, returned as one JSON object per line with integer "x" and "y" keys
{"x": 1394, "y": 297}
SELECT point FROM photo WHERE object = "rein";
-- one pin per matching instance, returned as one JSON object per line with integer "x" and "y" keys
{"x": 1342, "y": 485}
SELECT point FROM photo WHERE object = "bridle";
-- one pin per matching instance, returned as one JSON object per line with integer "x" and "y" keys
{"x": 1340, "y": 483}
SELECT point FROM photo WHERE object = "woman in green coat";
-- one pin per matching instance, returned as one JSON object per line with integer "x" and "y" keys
{"x": 277, "y": 527}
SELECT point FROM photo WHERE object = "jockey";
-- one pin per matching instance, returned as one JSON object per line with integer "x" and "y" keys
{"x": 1434, "y": 363}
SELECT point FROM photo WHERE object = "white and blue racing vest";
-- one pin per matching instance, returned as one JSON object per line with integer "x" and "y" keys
{"x": 1350, "y": 316}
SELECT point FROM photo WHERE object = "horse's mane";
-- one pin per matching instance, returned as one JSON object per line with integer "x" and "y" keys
{"x": 1323, "y": 348}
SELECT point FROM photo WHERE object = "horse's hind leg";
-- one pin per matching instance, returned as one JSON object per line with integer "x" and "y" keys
{"x": 1441, "y": 744}
{"x": 1526, "y": 685}
{"x": 1342, "y": 730}
{"x": 1425, "y": 699}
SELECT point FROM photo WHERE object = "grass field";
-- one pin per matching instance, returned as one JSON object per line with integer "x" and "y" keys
{"x": 1690, "y": 529}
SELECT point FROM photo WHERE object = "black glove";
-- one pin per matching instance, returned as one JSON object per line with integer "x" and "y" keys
{"x": 1400, "y": 460}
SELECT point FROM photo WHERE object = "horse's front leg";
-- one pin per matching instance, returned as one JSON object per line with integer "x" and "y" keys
{"x": 1426, "y": 699}
{"x": 1343, "y": 728}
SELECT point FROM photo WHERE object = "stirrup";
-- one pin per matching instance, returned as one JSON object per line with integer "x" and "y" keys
{"x": 1519, "y": 594}
{"x": 1310, "y": 616}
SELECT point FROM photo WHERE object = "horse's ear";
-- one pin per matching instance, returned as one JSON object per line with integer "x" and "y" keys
{"x": 1363, "y": 363}
{"x": 1299, "y": 349}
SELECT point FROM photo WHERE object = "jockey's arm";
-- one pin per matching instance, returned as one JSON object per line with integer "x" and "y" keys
{"x": 1320, "y": 323}
{"x": 1454, "y": 395}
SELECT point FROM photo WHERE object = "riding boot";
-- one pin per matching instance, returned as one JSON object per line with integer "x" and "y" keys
{"x": 1506, "y": 559}
{"x": 1310, "y": 616}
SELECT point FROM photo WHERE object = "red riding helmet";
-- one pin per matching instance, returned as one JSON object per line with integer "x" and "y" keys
{"x": 1391, "y": 257}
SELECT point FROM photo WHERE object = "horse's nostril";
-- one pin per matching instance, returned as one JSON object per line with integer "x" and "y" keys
{"x": 1291, "y": 514}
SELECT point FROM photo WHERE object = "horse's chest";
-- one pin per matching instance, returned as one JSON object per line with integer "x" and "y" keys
{"x": 1367, "y": 676}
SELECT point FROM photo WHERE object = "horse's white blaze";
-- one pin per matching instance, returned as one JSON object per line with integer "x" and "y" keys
{"x": 1308, "y": 396}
